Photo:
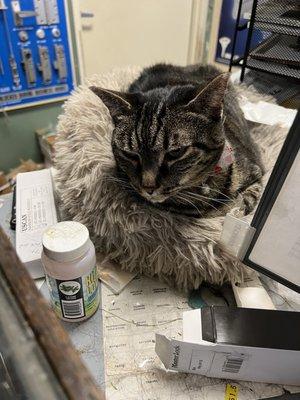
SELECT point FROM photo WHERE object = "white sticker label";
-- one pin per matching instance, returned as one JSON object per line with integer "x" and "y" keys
{"x": 236, "y": 235}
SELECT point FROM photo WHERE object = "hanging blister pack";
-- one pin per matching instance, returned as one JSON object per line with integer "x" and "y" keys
{"x": 36, "y": 62}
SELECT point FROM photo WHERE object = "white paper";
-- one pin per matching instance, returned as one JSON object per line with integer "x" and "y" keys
{"x": 192, "y": 326}
{"x": 278, "y": 246}
{"x": 251, "y": 293}
{"x": 268, "y": 113}
{"x": 39, "y": 282}
{"x": 35, "y": 211}
{"x": 112, "y": 275}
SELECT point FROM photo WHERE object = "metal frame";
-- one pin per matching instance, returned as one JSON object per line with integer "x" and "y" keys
{"x": 238, "y": 28}
{"x": 280, "y": 171}
{"x": 249, "y": 38}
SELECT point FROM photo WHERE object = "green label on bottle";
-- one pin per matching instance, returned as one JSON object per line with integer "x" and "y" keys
{"x": 75, "y": 298}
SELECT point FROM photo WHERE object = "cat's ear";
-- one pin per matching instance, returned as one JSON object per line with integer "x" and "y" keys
{"x": 118, "y": 103}
{"x": 209, "y": 100}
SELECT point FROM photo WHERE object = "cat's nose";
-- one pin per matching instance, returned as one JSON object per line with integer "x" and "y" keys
{"x": 149, "y": 190}
{"x": 148, "y": 181}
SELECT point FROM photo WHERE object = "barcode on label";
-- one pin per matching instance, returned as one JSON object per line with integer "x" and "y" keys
{"x": 232, "y": 365}
{"x": 72, "y": 308}
{"x": 196, "y": 361}
{"x": 197, "y": 366}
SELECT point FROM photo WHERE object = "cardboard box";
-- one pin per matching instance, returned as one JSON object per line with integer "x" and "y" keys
{"x": 236, "y": 343}
{"x": 35, "y": 211}
{"x": 46, "y": 138}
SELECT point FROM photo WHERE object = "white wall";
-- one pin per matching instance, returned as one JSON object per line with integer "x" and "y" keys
{"x": 133, "y": 32}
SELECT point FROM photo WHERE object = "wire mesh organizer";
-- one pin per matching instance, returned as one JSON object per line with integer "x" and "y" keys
{"x": 279, "y": 52}
{"x": 285, "y": 13}
{"x": 278, "y": 48}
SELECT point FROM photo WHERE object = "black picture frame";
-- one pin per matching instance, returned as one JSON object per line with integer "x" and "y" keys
{"x": 280, "y": 171}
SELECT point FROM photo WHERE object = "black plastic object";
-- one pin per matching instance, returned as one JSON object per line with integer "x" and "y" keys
{"x": 251, "y": 327}
{"x": 287, "y": 396}
{"x": 13, "y": 211}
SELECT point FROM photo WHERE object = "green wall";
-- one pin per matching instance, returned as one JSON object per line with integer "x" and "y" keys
{"x": 17, "y": 133}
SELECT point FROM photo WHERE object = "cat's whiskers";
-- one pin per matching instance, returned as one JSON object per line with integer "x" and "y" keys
{"x": 185, "y": 197}
{"x": 198, "y": 195}
{"x": 180, "y": 197}
{"x": 201, "y": 200}
{"x": 218, "y": 191}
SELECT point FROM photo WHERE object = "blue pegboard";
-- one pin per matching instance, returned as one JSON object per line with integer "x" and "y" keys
{"x": 226, "y": 31}
{"x": 36, "y": 64}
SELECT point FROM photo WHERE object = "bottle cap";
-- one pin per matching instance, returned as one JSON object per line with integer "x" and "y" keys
{"x": 66, "y": 241}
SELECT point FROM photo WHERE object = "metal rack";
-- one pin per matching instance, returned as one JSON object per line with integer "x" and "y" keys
{"x": 279, "y": 53}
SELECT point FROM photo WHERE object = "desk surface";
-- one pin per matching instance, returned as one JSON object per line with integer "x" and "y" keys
{"x": 87, "y": 336}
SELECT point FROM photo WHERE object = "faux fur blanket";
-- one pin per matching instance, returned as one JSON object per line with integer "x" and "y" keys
{"x": 184, "y": 251}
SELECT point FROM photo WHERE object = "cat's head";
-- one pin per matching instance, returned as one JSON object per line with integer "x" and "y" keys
{"x": 165, "y": 141}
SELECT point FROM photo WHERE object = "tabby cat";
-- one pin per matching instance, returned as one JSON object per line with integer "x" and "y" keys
{"x": 181, "y": 142}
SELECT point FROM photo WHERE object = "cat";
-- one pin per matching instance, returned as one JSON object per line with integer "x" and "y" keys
{"x": 181, "y": 142}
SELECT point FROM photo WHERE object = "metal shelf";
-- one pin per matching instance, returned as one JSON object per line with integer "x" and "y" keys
{"x": 279, "y": 49}
{"x": 279, "y": 13}
{"x": 269, "y": 27}
{"x": 274, "y": 68}
{"x": 279, "y": 53}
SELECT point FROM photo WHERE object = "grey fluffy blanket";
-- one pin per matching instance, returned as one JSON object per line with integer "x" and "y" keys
{"x": 183, "y": 251}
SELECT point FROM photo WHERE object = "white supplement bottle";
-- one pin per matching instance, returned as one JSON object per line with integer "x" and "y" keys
{"x": 69, "y": 261}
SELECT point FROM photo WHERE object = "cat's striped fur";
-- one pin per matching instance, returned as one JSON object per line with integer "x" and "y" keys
{"x": 170, "y": 131}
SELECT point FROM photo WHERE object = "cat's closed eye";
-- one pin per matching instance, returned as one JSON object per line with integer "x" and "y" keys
{"x": 130, "y": 155}
{"x": 173, "y": 155}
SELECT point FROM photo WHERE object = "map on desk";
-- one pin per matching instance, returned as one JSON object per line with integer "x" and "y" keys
{"x": 133, "y": 371}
